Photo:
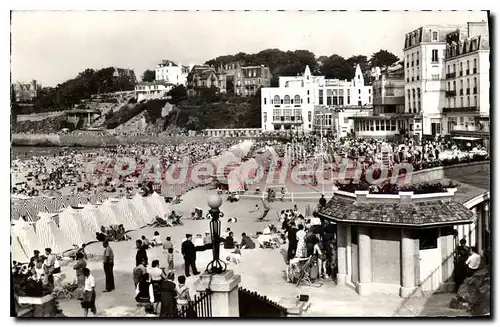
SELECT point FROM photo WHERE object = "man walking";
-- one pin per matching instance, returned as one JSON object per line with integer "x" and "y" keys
{"x": 108, "y": 263}
{"x": 188, "y": 250}
{"x": 141, "y": 255}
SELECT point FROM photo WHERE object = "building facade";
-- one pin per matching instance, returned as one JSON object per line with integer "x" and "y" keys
{"x": 170, "y": 72}
{"x": 467, "y": 105}
{"x": 291, "y": 105}
{"x": 203, "y": 76}
{"x": 339, "y": 122}
{"x": 389, "y": 116}
{"x": 26, "y": 92}
{"x": 152, "y": 90}
{"x": 247, "y": 80}
{"x": 125, "y": 73}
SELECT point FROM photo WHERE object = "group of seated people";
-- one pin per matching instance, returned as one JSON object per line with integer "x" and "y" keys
{"x": 115, "y": 233}
{"x": 172, "y": 220}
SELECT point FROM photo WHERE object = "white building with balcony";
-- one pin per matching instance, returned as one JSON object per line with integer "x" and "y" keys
{"x": 152, "y": 90}
{"x": 426, "y": 69}
{"x": 291, "y": 105}
{"x": 170, "y": 72}
{"x": 467, "y": 108}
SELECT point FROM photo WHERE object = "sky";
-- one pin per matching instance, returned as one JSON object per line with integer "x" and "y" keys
{"x": 53, "y": 46}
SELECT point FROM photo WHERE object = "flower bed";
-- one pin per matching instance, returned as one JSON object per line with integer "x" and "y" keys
{"x": 389, "y": 188}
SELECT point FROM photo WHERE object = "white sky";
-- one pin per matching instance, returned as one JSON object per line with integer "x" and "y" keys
{"x": 54, "y": 46}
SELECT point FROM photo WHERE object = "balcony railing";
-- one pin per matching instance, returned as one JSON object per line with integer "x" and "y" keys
{"x": 461, "y": 110}
{"x": 467, "y": 91}
{"x": 474, "y": 90}
{"x": 451, "y": 75}
{"x": 450, "y": 93}
{"x": 435, "y": 61}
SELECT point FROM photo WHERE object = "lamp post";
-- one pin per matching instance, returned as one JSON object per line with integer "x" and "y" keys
{"x": 216, "y": 266}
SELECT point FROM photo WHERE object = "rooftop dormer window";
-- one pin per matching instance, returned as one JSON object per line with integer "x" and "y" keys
{"x": 434, "y": 36}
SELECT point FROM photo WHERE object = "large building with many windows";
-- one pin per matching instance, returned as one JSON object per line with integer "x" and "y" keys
{"x": 292, "y": 105}
{"x": 467, "y": 106}
{"x": 172, "y": 73}
{"x": 433, "y": 58}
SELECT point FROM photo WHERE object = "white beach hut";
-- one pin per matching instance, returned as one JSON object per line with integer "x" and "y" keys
{"x": 26, "y": 236}
{"x": 50, "y": 235}
{"x": 72, "y": 226}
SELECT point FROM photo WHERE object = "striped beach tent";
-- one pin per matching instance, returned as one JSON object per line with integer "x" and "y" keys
{"x": 50, "y": 235}
{"x": 72, "y": 226}
{"x": 25, "y": 233}
{"x": 128, "y": 213}
{"x": 155, "y": 204}
{"x": 93, "y": 218}
{"x": 145, "y": 215}
{"x": 18, "y": 253}
{"x": 110, "y": 212}
{"x": 15, "y": 212}
{"x": 29, "y": 210}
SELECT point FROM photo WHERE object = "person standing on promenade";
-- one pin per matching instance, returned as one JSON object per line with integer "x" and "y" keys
{"x": 88, "y": 294}
{"x": 188, "y": 250}
{"x": 141, "y": 254}
{"x": 108, "y": 263}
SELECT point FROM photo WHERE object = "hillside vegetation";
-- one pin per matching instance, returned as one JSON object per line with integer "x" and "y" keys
{"x": 65, "y": 95}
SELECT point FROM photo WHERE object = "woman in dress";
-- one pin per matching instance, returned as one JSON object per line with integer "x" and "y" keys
{"x": 301, "y": 243}
{"x": 79, "y": 265}
{"x": 168, "y": 297}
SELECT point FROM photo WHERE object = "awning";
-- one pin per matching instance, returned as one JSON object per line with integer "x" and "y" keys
{"x": 466, "y": 138}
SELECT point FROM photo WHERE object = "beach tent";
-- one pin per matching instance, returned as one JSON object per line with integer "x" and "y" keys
{"x": 26, "y": 236}
{"x": 128, "y": 213}
{"x": 158, "y": 204}
{"x": 50, "y": 235}
{"x": 110, "y": 212}
{"x": 93, "y": 218}
{"x": 72, "y": 226}
{"x": 17, "y": 251}
{"x": 145, "y": 215}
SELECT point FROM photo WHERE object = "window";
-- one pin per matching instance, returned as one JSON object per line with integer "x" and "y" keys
{"x": 276, "y": 114}
{"x": 475, "y": 101}
{"x": 309, "y": 116}
{"x": 454, "y": 86}
{"x": 320, "y": 96}
{"x": 461, "y": 69}
{"x": 428, "y": 238}
{"x": 308, "y": 100}
{"x": 418, "y": 56}
{"x": 348, "y": 100}
{"x": 454, "y": 68}
{"x": 369, "y": 99}
{"x": 265, "y": 100}
{"x": 276, "y": 99}
{"x": 461, "y": 102}
{"x": 286, "y": 99}
{"x": 468, "y": 101}
{"x": 434, "y": 56}
{"x": 449, "y": 86}
{"x": 475, "y": 62}
{"x": 475, "y": 81}
{"x": 359, "y": 91}
{"x": 265, "y": 117}
{"x": 448, "y": 69}
{"x": 296, "y": 99}
{"x": 434, "y": 35}
{"x": 468, "y": 67}
{"x": 369, "y": 91}
{"x": 307, "y": 92}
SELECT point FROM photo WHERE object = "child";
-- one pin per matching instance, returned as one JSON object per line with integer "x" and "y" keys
{"x": 156, "y": 239}
{"x": 168, "y": 245}
{"x": 236, "y": 254}
{"x": 170, "y": 260}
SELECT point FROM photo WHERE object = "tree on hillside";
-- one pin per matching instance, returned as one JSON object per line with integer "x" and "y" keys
{"x": 336, "y": 67}
{"x": 359, "y": 59}
{"x": 177, "y": 94}
{"x": 148, "y": 76}
{"x": 383, "y": 58}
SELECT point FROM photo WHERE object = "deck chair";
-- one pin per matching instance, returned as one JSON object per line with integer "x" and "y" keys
{"x": 305, "y": 272}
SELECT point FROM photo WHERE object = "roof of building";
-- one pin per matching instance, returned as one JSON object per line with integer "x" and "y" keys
{"x": 166, "y": 62}
{"x": 416, "y": 214}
